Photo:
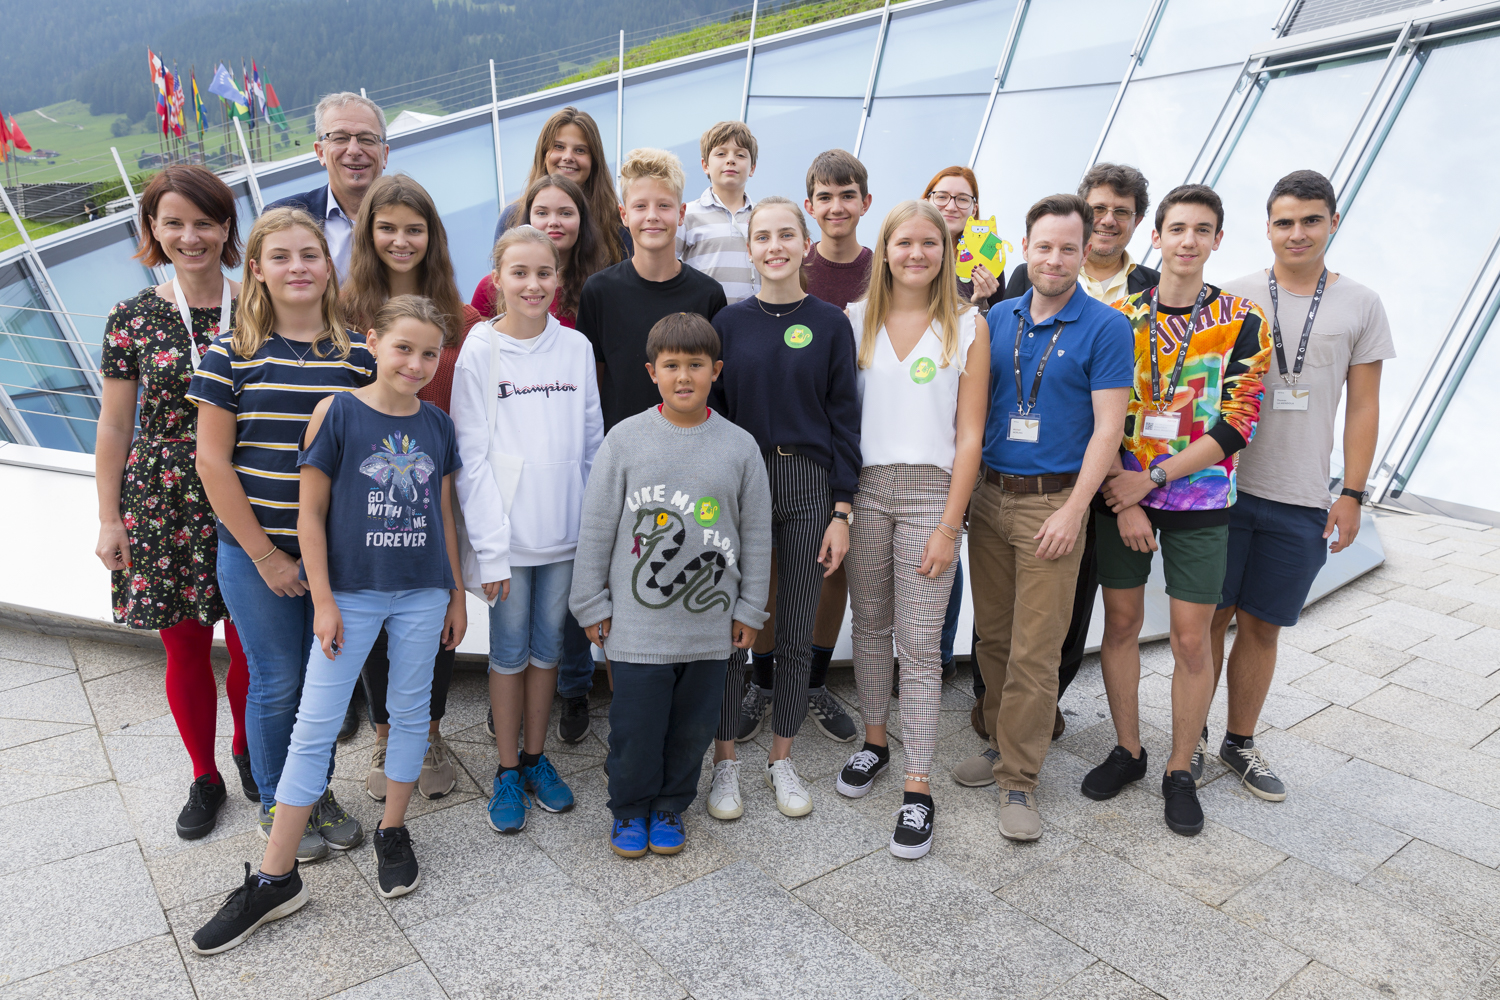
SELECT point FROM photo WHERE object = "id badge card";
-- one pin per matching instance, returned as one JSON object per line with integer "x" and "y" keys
{"x": 1290, "y": 399}
{"x": 1162, "y": 426}
{"x": 1024, "y": 428}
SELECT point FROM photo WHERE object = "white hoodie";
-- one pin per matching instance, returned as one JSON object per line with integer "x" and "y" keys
{"x": 547, "y": 415}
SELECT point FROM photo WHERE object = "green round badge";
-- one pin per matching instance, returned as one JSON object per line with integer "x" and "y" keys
{"x": 923, "y": 371}
{"x": 797, "y": 336}
{"x": 706, "y": 512}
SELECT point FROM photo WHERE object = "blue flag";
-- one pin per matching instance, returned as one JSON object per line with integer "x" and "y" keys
{"x": 223, "y": 85}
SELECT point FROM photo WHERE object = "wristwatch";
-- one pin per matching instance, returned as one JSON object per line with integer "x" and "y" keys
{"x": 840, "y": 515}
{"x": 1158, "y": 476}
{"x": 1363, "y": 497}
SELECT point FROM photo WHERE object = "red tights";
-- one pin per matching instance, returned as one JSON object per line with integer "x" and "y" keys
{"x": 193, "y": 692}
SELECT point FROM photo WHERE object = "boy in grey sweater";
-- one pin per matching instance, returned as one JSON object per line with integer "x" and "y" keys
{"x": 671, "y": 575}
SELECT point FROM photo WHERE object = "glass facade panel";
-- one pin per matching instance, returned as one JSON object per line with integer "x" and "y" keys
{"x": 40, "y": 371}
{"x": 1300, "y": 121}
{"x": 671, "y": 112}
{"x": 518, "y": 135}
{"x": 458, "y": 170}
{"x": 832, "y": 66}
{"x": 793, "y": 130}
{"x": 93, "y": 282}
{"x": 1069, "y": 42}
{"x": 952, "y": 50}
{"x": 899, "y": 166}
{"x": 1452, "y": 466}
{"x": 1194, "y": 34}
{"x": 1009, "y": 182}
{"x": 277, "y": 190}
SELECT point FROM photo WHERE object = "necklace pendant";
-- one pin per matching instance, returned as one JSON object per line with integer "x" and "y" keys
{"x": 301, "y": 362}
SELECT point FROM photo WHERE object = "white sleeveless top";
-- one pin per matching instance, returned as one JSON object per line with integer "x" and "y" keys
{"x": 909, "y": 409}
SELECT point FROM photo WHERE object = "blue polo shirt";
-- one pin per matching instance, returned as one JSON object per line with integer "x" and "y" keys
{"x": 1096, "y": 351}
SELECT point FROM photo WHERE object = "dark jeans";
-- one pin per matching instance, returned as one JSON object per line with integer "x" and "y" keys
{"x": 377, "y": 674}
{"x": 661, "y": 722}
{"x": 950, "y": 619}
{"x": 1083, "y": 614}
{"x": 575, "y": 672}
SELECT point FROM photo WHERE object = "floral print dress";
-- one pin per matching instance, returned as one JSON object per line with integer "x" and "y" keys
{"x": 172, "y": 574}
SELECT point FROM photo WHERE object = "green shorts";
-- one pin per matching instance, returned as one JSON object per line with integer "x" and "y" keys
{"x": 1193, "y": 560}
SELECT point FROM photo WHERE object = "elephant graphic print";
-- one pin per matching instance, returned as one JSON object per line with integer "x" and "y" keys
{"x": 403, "y": 504}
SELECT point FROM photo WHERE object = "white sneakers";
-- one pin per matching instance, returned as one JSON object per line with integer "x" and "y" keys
{"x": 724, "y": 800}
{"x": 793, "y": 798}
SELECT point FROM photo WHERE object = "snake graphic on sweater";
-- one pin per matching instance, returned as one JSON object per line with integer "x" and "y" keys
{"x": 663, "y": 572}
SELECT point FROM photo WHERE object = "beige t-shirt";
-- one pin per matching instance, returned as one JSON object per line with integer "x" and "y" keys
{"x": 1288, "y": 459}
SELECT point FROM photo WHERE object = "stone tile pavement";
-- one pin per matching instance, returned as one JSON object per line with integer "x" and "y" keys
{"x": 1376, "y": 878}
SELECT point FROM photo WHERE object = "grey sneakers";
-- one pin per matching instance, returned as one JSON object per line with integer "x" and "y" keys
{"x": 1247, "y": 762}
{"x": 978, "y": 770}
{"x": 338, "y": 829}
{"x": 1200, "y": 754}
{"x": 1019, "y": 817}
{"x": 310, "y": 848}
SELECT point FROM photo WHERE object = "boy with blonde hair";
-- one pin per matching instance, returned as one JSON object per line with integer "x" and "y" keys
{"x": 716, "y": 224}
{"x": 619, "y": 305}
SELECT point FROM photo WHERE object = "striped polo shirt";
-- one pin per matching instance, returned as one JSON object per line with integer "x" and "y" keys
{"x": 272, "y": 395}
{"x": 715, "y": 241}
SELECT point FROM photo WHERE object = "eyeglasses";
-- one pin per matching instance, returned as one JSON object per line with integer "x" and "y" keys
{"x": 941, "y": 199}
{"x": 1122, "y": 215}
{"x": 366, "y": 140}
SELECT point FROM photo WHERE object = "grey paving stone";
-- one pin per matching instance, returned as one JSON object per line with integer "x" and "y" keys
{"x": 1100, "y": 982}
{"x": 1309, "y": 636}
{"x": 1424, "y": 713}
{"x": 205, "y": 869}
{"x": 1428, "y": 600}
{"x": 58, "y": 699}
{"x": 1437, "y": 762}
{"x": 1355, "y": 932}
{"x": 150, "y": 969}
{"x": 136, "y": 758}
{"x": 461, "y": 859}
{"x": 18, "y": 673}
{"x": 1435, "y": 815}
{"x": 1083, "y": 895}
{"x": 1373, "y": 658}
{"x": 1478, "y": 652}
{"x": 1304, "y": 826}
{"x": 1480, "y": 614}
{"x": 1413, "y": 619}
{"x": 1297, "y": 762}
{"x": 1212, "y": 866}
{"x": 1319, "y": 982}
{"x": 1293, "y": 663}
{"x": 153, "y": 804}
{"x": 341, "y": 938}
{"x": 129, "y": 697}
{"x": 99, "y": 659}
{"x": 18, "y": 732}
{"x": 1490, "y": 746}
{"x": 736, "y": 933}
{"x": 1459, "y": 892}
{"x": 1340, "y": 608}
{"x": 1389, "y": 633}
{"x": 411, "y": 982}
{"x": 60, "y": 913}
{"x": 546, "y": 938}
{"x": 33, "y": 647}
{"x": 62, "y": 826}
{"x": 1448, "y": 683}
{"x": 58, "y": 764}
{"x": 889, "y": 907}
{"x": 1339, "y": 684}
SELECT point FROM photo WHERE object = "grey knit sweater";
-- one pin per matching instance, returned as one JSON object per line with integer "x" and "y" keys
{"x": 675, "y": 542}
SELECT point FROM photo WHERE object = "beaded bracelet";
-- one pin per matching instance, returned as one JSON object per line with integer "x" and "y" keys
{"x": 919, "y": 777}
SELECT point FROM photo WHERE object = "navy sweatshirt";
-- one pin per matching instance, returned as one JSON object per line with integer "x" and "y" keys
{"x": 792, "y": 382}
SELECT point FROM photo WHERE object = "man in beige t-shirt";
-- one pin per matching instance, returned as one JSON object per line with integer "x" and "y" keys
{"x": 1333, "y": 334}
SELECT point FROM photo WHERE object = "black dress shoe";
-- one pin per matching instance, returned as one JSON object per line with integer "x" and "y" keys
{"x": 351, "y": 720}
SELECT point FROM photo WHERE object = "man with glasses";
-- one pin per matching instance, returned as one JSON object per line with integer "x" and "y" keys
{"x": 352, "y": 148}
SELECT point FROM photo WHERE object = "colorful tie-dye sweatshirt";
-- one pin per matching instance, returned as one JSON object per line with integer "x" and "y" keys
{"x": 1220, "y": 388}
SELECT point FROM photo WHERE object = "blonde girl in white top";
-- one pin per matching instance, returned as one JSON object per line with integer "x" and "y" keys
{"x": 924, "y": 369}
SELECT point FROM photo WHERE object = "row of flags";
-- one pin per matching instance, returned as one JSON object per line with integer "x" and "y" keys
{"x": 11, "y": 136}
{"x": 256, "y": 102}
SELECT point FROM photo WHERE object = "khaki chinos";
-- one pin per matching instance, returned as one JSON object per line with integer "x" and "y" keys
{"x": 1022, "y": 607}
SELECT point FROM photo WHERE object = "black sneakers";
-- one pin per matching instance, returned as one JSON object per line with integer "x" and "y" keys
{"x": 1247, "y": 762}
{"x": 249, "y": 906}
{"x": 859, "y": 773}
{"x": 351, "y": 716}
{"x": 247, "y": 778}
{"x": 1118, "y": 770}
{"x": 1183, "y": 813}
{"x": 201, "y": 814}
{"x": 396, "y": 863}
{"x": 829, "y": 716}
{"x": 489, "y": 721}
{"x": 753, "y": 709}
{"x": 913, "y": 836}
{"x": 573, "y": 724}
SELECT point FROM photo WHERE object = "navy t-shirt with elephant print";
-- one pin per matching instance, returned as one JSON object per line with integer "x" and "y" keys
{"x": 385, "y": 511}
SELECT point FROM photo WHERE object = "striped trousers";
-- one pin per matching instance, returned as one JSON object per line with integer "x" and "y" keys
{"x": 896, "y": 511}
{"x": 800, "y": 508}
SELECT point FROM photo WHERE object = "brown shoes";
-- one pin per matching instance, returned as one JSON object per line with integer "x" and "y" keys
{"x": 1058, "y": 725}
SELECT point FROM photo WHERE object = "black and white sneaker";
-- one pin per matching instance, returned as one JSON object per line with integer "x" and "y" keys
{"x": 1200, "y": 754}
{"x": 1181, "y": 809}
{"x": 829, "y": 716}
{"x": 573, "y": 724}
{"x": 489, "y": 722}
{"x": 395, "y": 861}
{"x": 913, "y": 836}
{"x": 859, "y": 773}
{"x": 249, "y": 906}
{"x": 753, "y": 709}
{"x": 201, "y": 813}
{"x": 1247, "y": 762}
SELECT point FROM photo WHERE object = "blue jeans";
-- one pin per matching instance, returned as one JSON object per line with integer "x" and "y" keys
{"x": 575, "y": 674}
{"x": 661, "y": 722}
{"x": 527, "y": 627}
{"x": 950, "y": 618}
{"x": 413, "y": 621}
{"x": 276, "y": 633}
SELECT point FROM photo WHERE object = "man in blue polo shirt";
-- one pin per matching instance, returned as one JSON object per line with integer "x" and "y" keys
{"x": 1060, "y": 382}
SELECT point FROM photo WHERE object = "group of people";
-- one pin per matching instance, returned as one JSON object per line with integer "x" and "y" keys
{"x": 687, "y": 432}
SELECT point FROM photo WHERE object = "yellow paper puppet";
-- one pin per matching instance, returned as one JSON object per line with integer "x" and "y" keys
{"x": 979, "y": 245}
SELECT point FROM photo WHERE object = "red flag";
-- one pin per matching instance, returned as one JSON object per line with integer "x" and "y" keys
{"x": 18, "y": 137}
{"x": 4, "y": 135}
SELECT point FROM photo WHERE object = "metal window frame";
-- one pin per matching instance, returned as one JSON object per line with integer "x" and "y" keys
{"x": 864, "y": 111}
{"x": 1137, "y": 56}
{"x": 14, "y": 420}
{"x": 1002, "y": 69}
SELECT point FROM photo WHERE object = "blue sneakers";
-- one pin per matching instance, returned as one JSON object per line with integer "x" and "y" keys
{"x": 667, "y": 834}
{"x": 627, "y": 837}
{"x": 552, "y": 793}
{"x": 509, "y": 804}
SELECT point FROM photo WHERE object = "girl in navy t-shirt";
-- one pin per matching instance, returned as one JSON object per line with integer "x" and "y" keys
{"x": 374, "y": 523}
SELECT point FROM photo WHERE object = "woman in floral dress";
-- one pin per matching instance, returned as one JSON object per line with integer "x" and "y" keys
{"x": 156, "y": 529}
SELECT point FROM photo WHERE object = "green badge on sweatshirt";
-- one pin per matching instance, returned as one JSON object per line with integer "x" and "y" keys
{"x": 923, "y": 371}
{"x": 797, "y": 336}
{"x": 706, "y": 512}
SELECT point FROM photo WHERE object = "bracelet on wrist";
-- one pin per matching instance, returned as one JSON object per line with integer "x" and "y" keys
{"x": 946, "y": 532}
{"x": 949, "y": 526}
{"x": 263, "y": 558}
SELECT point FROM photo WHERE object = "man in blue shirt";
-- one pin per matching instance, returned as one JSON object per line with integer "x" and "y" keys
{"x": 1060, "y": 382}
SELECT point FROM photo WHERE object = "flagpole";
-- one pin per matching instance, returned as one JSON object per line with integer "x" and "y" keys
{"x": 260, "y": 205}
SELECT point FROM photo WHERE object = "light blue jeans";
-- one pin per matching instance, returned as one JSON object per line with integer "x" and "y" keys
{"x": 413, "y": 621}
{"x": 526, "y": 629}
